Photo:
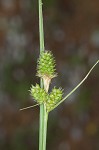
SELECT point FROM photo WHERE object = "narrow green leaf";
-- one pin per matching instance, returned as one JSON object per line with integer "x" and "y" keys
{"x": 76, "y": 86}
{"x": 28, "y": 107}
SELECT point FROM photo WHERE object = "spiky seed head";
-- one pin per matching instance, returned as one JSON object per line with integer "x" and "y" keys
{"x": 46, "y": 65}
{"x": 38, "y": 94}
{"x": 54, "y": 97}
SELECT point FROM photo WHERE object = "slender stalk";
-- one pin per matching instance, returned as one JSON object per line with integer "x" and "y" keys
{"x": 41, "y": 124}
{"x": 43, "y": 114}
{"x": 81, "y": 82}
{"x": 45, "y": 128}
{"x": 41, "y": 30}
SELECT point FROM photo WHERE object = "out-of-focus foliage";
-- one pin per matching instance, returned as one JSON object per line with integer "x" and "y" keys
{"x": 72, "y": 33}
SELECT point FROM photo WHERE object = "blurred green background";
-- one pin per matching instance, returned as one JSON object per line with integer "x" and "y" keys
{"x": 72, "y": 33}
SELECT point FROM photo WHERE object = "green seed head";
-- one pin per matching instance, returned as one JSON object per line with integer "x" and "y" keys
{"x": 54, "y": 97}
{"x": 46, "y": 65}
{"x": 38, "y": 94}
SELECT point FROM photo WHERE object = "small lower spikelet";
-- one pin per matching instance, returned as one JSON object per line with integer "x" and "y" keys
{"x": 38, "y": 94}
{"x": 54, "y": 97}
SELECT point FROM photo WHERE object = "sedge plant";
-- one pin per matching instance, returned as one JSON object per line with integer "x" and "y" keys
{"x": 40, "y": 92}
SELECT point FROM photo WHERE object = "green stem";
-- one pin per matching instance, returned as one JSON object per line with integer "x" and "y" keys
{"x": 43, "y": 116}
{"x": 41, "y": 30}
{"x": 41, "y": 127}
{"x": 45, "y": 128}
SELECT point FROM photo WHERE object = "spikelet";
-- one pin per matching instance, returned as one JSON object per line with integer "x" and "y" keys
{"x": 54, "y": 97}
{"x": 39, "y": 94}
{"x": 46, "y": 65}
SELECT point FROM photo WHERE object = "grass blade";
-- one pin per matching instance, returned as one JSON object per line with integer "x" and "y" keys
{"x": 77, "y": 85}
